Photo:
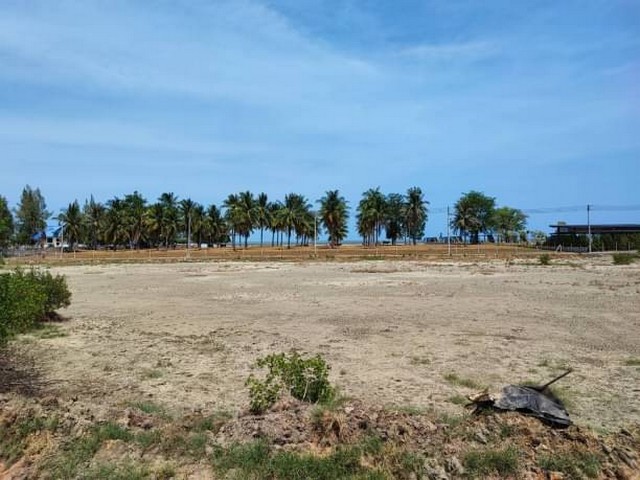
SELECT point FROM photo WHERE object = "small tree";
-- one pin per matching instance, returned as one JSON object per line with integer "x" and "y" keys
{"x": 508, "y": 222}
{"x": 6, "y": 223}
{"x": 474, "y": 214}
{"x": 31, "y": 214}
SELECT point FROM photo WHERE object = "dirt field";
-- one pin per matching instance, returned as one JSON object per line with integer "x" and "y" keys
{"x": 186, "y": 334}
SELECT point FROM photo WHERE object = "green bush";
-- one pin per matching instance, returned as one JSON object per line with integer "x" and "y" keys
{"x": 623, "y": 258}
{"x": 545, "y": 259}
{"x": 306, "y": 379}
{"x": 29, "y": 297}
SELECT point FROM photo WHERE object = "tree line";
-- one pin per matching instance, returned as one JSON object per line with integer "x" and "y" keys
{"x": 131, "y": 221}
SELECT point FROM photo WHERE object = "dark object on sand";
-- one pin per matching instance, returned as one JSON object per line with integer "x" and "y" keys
{"x": 532, "y": 400}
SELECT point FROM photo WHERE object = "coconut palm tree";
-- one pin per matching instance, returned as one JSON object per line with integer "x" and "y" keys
{"x": 94, "y": 213}
{"x": 247, "y": 215}
{"x": 114, "y": 229}
{"x": 170, "y": 217}
{"x": 263, "y": 214}
{"x": 415, "y": 214}
{"x": 154, "y": 221}
{"x": 198, "y": 223}
{"x": 134, "y": 213}
{"x": 294, "y": 216}
{"x": 232, "y": 216}
{"x": 274, "y": 220}
{"x": 186, "y": 207}
{"x": 334, "y": 215}
{"x": 394, "y": 220}
{"x": 372, "y": 211}
{"x": 215, "y": 226}
{"x": 73, "y": 223}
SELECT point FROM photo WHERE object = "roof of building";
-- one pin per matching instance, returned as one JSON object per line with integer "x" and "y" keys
{"x": 49, "y": 232}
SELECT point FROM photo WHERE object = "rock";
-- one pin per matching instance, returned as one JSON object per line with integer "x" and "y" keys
{"x": 434, "y": 471}
{"x": 454, "y": 466}
{"x": 480, "y": 437}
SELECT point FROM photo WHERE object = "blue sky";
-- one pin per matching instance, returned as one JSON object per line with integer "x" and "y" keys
{"x": 535, "y": 103}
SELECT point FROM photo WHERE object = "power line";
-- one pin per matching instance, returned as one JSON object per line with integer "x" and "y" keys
{"x": 565, "y": 209}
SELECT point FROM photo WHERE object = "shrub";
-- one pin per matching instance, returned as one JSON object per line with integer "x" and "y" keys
{"x": 545, "y": 259}
{"x": 55, "y": 288}
{"x": 29, "y": 297}
{"x": 623, "y": 259}
{"x": 306, "y": 379}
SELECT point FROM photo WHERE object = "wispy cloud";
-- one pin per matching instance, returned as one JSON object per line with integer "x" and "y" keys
{"x": 452, "y": 51}
{"x": 245, "y": 85}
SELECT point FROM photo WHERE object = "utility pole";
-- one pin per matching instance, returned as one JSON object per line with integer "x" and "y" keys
{"x": 589, "y": 226}
{"x": 189, "y": 234}
{"x": 448, "y": 232}
{"x": 61, "y": 239}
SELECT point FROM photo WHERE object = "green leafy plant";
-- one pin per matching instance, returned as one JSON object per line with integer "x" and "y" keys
{"x": 306, "y": 379}
{"x": 545, "y": 259}
{"x": 28, "y": 297}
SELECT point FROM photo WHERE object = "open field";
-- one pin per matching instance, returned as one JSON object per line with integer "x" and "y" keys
{"x": 403, "y": 333}
{"x": 146, "y": 378}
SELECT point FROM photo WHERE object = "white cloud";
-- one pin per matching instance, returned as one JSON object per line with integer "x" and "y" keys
{"x": 451, "y": 51}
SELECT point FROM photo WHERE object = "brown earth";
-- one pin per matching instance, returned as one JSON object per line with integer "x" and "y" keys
{"x": 403, "y": 333}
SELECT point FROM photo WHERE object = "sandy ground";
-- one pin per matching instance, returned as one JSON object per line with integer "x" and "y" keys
{"x": 186, "y": 335}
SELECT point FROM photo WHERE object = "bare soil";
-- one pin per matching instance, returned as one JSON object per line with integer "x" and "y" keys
{"x": 187, "y": 334}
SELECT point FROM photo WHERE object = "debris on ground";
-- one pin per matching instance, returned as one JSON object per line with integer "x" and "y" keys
{"x": 533, "y": 400}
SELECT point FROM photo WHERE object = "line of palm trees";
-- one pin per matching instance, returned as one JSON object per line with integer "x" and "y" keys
{"x": 132, "y": 222}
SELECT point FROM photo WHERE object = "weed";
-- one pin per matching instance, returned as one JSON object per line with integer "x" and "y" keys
{"x": 150, "y": 374}
{"x": 415, "y": 360}
{"x": 46, "y": 331}
{"x": 486, "y": 462}
{"x": 451, "y": 420}
{"x": 506, "y": 431}
{"x": 258, "y": 461}
{"x": 545, "y": 259}
{"x": 212, "y": 423}
{"x": 13, "y": 438}
{"x": 623, "y": 258}
{"x": 458, "y": 400}
{"x": 632, "y": 362}
{"x": 455, "y": 379}
{"x": 573, "y": 464}
{"x": 124, "y": 471}
{"x": 78, "y": 451}
{"x": 148, "y": 438}
{"x": 306, "y": 379}
{"x": 150, "y": 408}
{"x": 408, "y": 409}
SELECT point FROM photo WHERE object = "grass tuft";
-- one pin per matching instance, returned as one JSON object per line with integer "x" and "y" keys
{"x": 455, "y": 379}
{"x": 572, "y": 464}
{"x": 632, "y": 362}
{"x": 459, "y": 400}
{"x": 487, "y": 462}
